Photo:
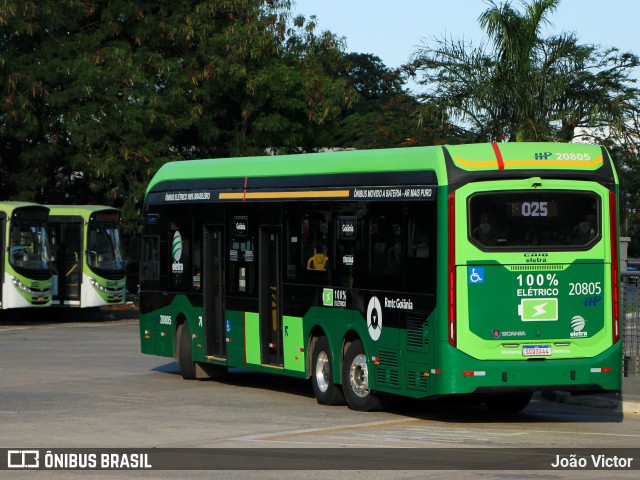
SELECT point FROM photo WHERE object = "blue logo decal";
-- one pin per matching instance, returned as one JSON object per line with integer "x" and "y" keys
{"x": 228, "y": 325}
{"x": 476, "y": 275}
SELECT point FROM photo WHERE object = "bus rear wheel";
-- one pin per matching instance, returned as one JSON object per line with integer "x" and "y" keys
{"x": 184, "y": 355}
{"x": 355, "y": 381}
{"x": 326, "y": 392}
{"x": 508, "y": 402}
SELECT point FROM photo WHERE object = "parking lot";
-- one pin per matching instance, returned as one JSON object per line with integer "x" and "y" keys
{"x": 80, "y": 382}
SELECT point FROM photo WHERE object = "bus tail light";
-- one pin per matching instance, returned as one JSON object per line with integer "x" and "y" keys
{"x": 474, "y": 373}
{"x": 601, "y": 370}
{"x": 615, "y": 279}
{"x": 452, "y": 272}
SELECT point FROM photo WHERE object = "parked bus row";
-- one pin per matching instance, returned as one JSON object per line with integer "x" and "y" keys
{"x": 60, "y": 255}
{"x": 489, "y": 270}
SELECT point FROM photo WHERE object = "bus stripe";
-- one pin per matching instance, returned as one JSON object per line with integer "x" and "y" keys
{"x": 496, "y": 150}
{"x": 581, "y": 164}
{"x": 290, "y": 195}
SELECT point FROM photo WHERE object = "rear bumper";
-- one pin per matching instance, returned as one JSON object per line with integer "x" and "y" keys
{"x": 464, "y": 374}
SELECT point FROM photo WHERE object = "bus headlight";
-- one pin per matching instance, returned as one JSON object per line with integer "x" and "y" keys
{"x": 24, "y": 288}
{"x": 98, "y": 287}
{"x": 20, "y": 286}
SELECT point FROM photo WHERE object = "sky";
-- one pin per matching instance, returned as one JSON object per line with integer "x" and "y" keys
{"x": 393, "y": 29}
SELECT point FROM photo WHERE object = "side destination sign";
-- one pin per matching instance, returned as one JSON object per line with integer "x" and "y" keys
{"x": 371, "y": 193}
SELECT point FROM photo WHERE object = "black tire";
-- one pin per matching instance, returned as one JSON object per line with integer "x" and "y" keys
{"x": 326, "y": 392}
{"x": 508, "y": 402}
{"x": 184, "y": 355}
{"x": 355, "y": 381}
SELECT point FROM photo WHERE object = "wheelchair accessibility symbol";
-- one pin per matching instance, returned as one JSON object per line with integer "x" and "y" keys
{"x": 476, "y": 275}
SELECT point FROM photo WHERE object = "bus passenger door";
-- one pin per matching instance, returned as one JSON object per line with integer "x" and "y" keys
{"x": 66, "y": 239}
{"x": 270, "y": 310}
{"x": 213, "y": 275}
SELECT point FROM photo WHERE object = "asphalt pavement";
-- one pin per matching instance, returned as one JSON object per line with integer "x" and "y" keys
{"x": 626, "y": 402}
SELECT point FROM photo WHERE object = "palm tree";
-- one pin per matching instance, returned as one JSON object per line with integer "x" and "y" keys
{"x": 517, "y": 44}
{"x": 520, "y": 86}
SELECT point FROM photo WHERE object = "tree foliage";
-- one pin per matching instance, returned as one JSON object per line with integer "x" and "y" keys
{"x": 98, "y": 94}
{"x": 521, "y": 86}
{"x": 384, "y": 114}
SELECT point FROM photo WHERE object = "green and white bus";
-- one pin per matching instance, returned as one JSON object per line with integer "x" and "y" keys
{"x": 26, "y": 270}
{"x": 488, "y": 270}
{"x": 87, "y": 259}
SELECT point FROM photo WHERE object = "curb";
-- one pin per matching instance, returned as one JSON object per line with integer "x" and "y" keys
{"x": 627, "y": 407}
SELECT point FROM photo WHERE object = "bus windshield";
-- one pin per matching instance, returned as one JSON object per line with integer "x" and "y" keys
{"x": 104, "y": 250}
{"x": 29, "y": 247}
{"x": 551, "y": 219}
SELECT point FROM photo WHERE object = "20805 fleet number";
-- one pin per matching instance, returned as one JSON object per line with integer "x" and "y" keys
{"x": 585, "y": 288}
{"x": 573, "y": 156}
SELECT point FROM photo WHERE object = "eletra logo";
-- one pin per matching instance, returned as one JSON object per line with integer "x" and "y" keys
{"x": 176, "y": 253}
{"x": 176, "y": 246}
{"x": 577, "y": 324}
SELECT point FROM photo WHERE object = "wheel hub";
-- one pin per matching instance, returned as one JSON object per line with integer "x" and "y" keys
{"x": 359, "y": 376}
{"x": 323, "y": 372}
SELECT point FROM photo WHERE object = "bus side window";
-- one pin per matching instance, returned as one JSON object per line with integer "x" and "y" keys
{"x": 196, "y": 258}
{"x": 350, "y": 264}
{"x": 242, "y": 255}
{"x": 419, "y": 271}
{"x": 151, "y": 258}
{"x": 315, "y": 247}
{"x": 293, "y": 245}
{"x": 418, "y": 240}
{"x": 385, "y": 248}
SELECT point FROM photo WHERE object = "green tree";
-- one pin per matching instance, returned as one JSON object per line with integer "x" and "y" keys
{"x": 521, "y": 86}
{"x": 384, "y": 113}
{"x": 99, "y": 94}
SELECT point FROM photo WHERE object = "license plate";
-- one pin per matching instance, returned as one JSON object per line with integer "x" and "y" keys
{"x": 536, "y": 350}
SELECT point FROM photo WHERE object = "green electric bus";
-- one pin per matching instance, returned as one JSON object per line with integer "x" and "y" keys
{"x": 87, "y": 259}
{"x": 486, "y": 270}
{"x": 26, "y": 270}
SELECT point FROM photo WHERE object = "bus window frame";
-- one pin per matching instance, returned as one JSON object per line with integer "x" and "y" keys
{"x": 528, "y": 248}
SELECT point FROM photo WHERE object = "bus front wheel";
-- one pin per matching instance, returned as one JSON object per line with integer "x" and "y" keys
{"x": 326, "y": 392}
{"x": 355, "y": 381}
{"x": 184, "y": 355}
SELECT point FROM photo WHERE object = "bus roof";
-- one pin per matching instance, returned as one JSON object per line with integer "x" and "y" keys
{"x": 450, "y": 163}
{"x": 10, "y": 206}
{"x": 83, "y": 213}
{"x": 340, "y": 162}
{"x": 77, "y": 209}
